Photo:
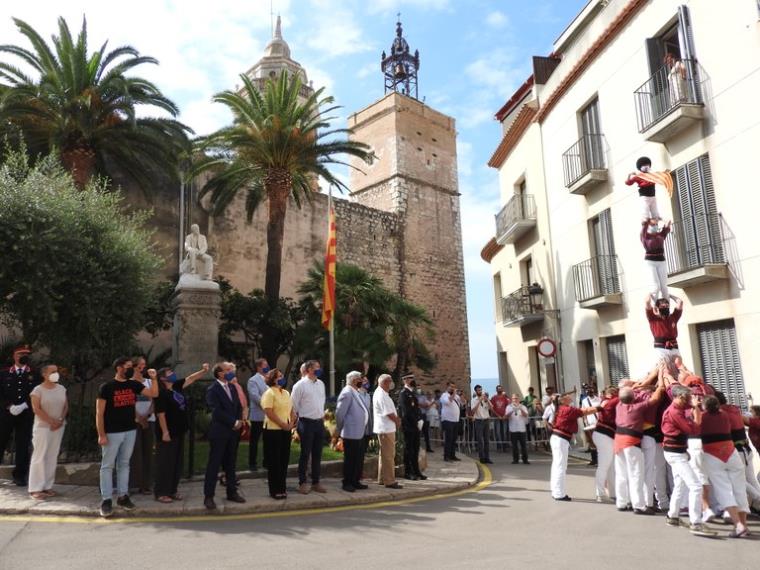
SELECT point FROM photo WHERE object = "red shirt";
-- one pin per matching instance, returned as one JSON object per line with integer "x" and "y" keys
{"x": 499, "y": 403}
{"x": 566, "y": 421}
{"x": 664, "y": 327}
{"x": 754, "y": 432}
{"x": 605, "y": 420}
{"x": 646, "y": 188}
{"x": 716, "y": 435}
{"x": 738, "y": 435}
{"x": 630, "y": 423}
{"x": 654, "y": 244}
{"x": 677, "y": 426}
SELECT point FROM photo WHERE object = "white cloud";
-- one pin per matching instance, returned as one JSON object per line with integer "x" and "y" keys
{"x": 334, "y": 31}
{"x": 497, "y": 19}
{"x": 368, "y": 69}
{"x": 383, "y": 6}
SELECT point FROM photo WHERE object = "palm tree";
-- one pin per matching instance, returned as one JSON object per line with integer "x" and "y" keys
{"x": 276, "y": 148}
{"x": 85, "y": 106}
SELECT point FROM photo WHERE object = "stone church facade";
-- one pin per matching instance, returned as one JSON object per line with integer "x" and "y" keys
{"x": 401, "y": 221}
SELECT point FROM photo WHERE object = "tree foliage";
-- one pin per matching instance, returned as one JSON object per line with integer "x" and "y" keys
{"x": 373, "y": 326}
{"x": 76, "y": 273}
{"x": 85, "y": 104}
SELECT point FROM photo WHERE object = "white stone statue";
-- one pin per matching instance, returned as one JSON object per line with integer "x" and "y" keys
{"x": 196, "y": 247}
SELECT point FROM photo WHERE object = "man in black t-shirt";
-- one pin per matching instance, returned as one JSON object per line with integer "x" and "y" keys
{"x": 115, "y": 422}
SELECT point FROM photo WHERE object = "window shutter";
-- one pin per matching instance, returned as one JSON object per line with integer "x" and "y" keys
{"x": 719, "y": 355}
{"x": 685, "y": 34}
{"x": 617, "y": 359}
{"x": 655, "y": 54}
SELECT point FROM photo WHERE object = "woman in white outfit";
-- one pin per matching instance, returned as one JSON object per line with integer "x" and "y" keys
{"x": 50, "y": 408}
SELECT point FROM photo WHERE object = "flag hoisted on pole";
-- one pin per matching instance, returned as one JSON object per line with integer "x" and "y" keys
{"x": 328, "y": 293}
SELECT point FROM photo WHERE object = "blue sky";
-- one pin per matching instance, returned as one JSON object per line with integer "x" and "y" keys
{"x": 474, "y": 54}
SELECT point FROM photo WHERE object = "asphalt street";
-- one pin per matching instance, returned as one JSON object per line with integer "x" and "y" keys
{"x": 511, "y": 523}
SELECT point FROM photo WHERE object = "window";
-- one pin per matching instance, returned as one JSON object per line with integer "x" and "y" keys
{"x": 719, "y": 356}
{"x": 591, "y": 147}
{"x": 587, "y": 364}
{"x": 603, "y": 248}
{"x": 697, "y": 234}
{"x": 527, "y": 274}
{"x": 498, "y": 297}
{"x": 677, "y": 40}
{"x": 617, "y": 359}
{"x": 503, "y": 369}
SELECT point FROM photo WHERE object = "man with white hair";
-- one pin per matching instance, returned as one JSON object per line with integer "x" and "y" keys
{"x": 629, "y": 458}
{"x": 386, "y": 421}
{"x": 352, "y": 417}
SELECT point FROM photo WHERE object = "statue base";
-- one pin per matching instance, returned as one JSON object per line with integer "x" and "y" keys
{"x": 195, "y": 332}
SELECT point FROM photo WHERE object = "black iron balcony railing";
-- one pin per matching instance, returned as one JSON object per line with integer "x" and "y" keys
{"x": 585, "y": 155}
{"x": 520, "y": 208}
{"x": 596, "y": 277}
{"x": 527, "y": 303}
{"x": 666, "y": 90}
{"x": 694, "y": 242}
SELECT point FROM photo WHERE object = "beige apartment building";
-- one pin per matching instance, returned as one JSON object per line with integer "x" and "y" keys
{"x": 570, "y": 226}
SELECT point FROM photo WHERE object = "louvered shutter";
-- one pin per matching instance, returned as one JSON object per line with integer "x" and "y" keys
{"x": 617, "y": 359}
{"x": 721, "y": 366}
{"x": 686, "y": 45}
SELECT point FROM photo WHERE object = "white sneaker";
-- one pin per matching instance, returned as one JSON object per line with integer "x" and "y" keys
{"x": 707, "y": 515}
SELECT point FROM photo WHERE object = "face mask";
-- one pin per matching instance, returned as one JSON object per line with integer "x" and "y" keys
{"x": 653, "y": 229}
{"x": 645, "y": 168}
{"x": 23, "y": 361}
{"x": 128, "y": 373}
{"x": 171, "y": 378}
{"x": 229, "y": 376}
{"x": 664, "y": 311}
{"x": 451, "y": 392}
{"x": 318, "y": 373}
{"x": 392, "y": 386}
{"x": 265, "y": 370}
{"x": 54, "y": 377}
{"x": 282, "y": 382}
{"x": 365, "y": 385}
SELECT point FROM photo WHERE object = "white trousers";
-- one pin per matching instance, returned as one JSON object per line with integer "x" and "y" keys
{"x": 655, "y": 473}
{"x": 560, "y": 453}
{"x": 727, "y": 480}
{"x": 657, "y": 277}
{"x": 46, "y": 445}
{"x": 649, "y": 208}
{"x": 695, "y": 459}
{"x": 605, "y": 469}
{"x": 629, "y": 478}
{"x": 686, "y": 484}
{"x": 753, "y": 486}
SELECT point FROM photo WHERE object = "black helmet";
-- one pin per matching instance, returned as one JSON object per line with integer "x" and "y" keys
{"x": 643, "y": 161}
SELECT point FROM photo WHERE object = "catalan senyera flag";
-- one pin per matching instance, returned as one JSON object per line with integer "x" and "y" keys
{"x": 328, "y": 293}
{"x": 662, "y": 178}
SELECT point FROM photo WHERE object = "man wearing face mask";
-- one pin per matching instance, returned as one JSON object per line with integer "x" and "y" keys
{"x": 352, "y": 418}
{"x": 450, "y": 403}
{"x": 410, "y": 424}
{"x": 256, "y": 388}
{"x": 115, "y": 423}
{"x": 226, "y": 409}
{"x": 16, "y": 417}
{"x": 664, "y": 327}
{"x": 309, "y": 404}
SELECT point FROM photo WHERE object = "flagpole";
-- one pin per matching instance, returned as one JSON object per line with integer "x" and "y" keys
{"x": 332, "y": 314}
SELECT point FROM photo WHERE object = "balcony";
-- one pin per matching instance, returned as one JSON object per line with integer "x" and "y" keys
{"x": 695, "y": 251}
{"x": 524, "y": 306}
{"x": 584, "y": 164}
{"x": 516, "y": 218}
{"x": 670, "y": 101}
{"x": 597, "y": 282}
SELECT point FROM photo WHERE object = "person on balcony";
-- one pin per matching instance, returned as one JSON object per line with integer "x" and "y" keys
{"x": 653, "y": 239}
{"x": 678, "y": 89}
{"x": 646, "y": 189}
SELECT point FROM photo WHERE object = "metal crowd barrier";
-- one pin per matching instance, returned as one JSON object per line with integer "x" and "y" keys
{"x": 537, "y": 433}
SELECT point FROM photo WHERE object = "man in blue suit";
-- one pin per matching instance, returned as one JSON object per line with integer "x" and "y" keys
{"x": 226, "y": 411}
{"x": 352, "y": 417}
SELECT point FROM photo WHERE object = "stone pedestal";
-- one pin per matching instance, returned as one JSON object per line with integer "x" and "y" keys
{"x": 195, "y": 333}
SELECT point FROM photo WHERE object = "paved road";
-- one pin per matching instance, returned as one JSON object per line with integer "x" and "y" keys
{"x": 513, "y": 523}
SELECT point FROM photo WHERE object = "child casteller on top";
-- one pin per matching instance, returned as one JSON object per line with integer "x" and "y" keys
{"x": 646, "y": 189}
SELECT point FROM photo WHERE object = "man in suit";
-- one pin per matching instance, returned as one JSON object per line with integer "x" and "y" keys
{"x": 16, "y": 416}
{"x": 352, "y": 418}
{"x": 410, "y": 416}
{"x": 226, "y": 409}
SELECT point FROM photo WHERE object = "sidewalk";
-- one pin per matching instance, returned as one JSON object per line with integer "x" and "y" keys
{"x": 85, "y": 500}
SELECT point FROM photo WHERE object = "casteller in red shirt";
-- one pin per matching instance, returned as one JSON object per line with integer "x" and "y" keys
{"x": 500, "y": 403}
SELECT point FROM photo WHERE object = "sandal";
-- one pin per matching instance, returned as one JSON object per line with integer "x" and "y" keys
{"x": 739, "y": 534}
{"x": 38, "y": 495}
{"x": 164, "y": 499}
{"x": 176, "y": 497}
{"x": 50, "y": 493}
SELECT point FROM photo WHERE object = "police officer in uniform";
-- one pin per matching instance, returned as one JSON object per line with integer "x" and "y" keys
{"x": 410, "y": 416}
{"x": 16, "y": 416}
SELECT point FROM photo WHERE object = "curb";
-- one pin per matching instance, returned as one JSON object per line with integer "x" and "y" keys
{"x": 306, "y": 504}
